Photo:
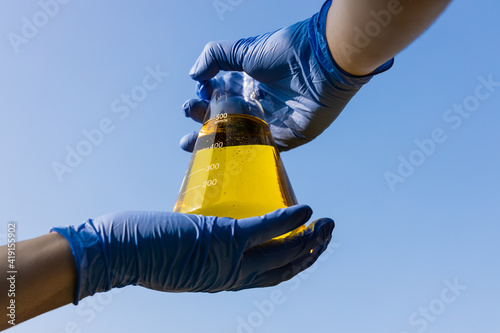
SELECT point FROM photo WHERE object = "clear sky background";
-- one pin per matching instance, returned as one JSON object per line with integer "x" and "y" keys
{"x": 418, "y": 256}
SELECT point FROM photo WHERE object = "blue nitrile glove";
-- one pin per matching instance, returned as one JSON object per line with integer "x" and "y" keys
{"x": 192, "y": 253}
{"x": 303, "y": 89}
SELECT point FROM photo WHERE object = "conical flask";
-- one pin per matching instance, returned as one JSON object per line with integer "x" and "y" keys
{"x": 235, "y": 169}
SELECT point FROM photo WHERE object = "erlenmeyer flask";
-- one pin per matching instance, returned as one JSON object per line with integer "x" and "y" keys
{"x": 235, "y": 169}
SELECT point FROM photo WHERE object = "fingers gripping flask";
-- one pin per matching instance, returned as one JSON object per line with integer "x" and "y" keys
{"x": 235, "y": 169}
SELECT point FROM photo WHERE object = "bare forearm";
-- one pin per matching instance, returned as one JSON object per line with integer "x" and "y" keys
{"x": 364, "y": 34}
{"x": 45, "y": 278}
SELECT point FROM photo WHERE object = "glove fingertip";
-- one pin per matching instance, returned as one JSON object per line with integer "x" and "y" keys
{"x": 279, "y": 222}
{"x": 325, "y": 224}
{"x": 188, "y": 141}
{"x": 204, "y": 74}
{"x": 299, "y": 212}
{"x": 206, "y": 66}
{"x": 195, "y": 109}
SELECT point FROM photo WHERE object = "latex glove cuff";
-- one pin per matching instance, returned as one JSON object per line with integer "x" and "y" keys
{"x": 89, "y": 257}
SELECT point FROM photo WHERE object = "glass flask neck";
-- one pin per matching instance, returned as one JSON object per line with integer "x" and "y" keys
{"x": 234, "y": 93}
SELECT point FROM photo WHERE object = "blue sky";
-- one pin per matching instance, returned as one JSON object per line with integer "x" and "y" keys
{"x": 420, "y": 255}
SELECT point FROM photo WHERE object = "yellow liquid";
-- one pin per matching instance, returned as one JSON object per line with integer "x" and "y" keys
{"x": 237, "y": 181}
{"x": 235, "y": 171}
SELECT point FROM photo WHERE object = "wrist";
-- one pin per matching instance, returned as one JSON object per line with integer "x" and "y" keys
{"x": 90, "y": 260}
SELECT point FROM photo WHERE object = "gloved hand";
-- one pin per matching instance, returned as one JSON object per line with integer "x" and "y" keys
{"x": 302, "y": 88}
{"x": 193, "y": 253}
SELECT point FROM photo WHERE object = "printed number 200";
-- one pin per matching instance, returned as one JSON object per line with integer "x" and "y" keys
{"x": 209, "y": 183}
